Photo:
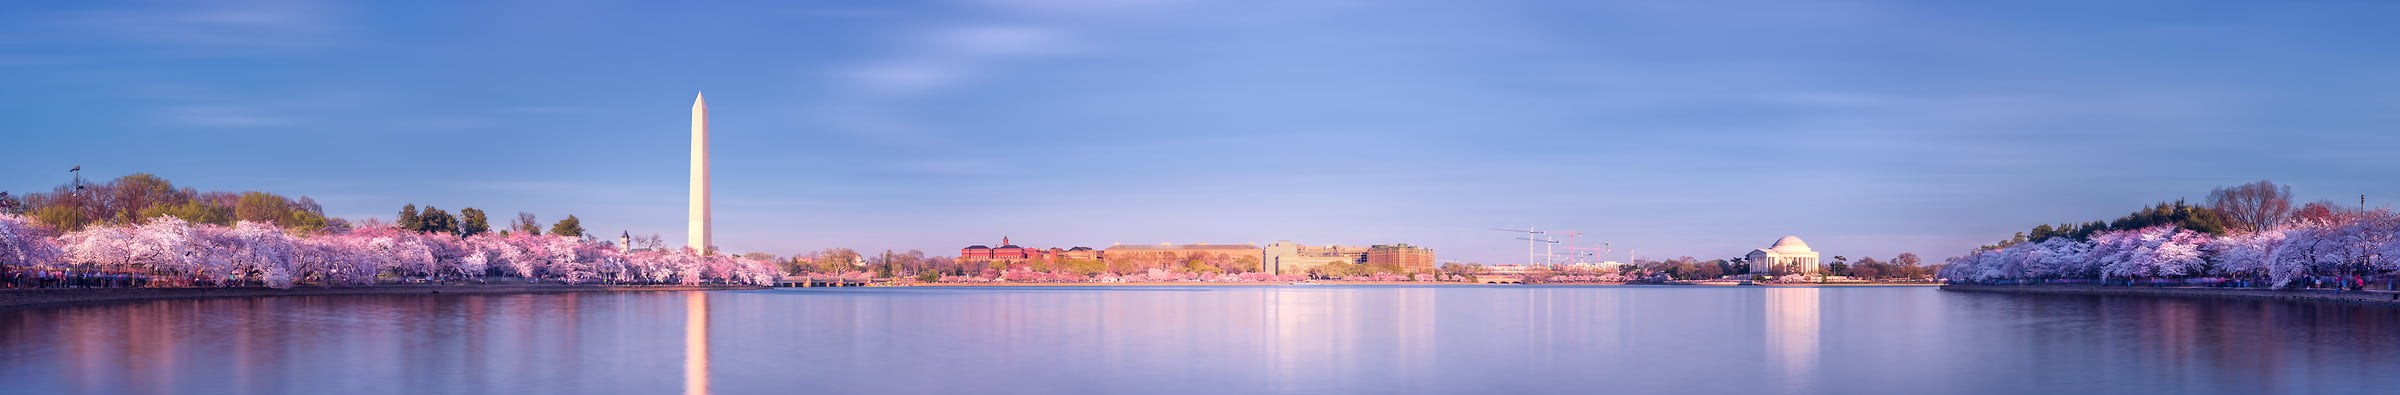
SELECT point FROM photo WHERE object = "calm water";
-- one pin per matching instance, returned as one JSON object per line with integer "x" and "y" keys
{"x": 1320, "y": 339}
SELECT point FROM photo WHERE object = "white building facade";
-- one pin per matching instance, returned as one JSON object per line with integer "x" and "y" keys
{"x": 1788, "y": 250}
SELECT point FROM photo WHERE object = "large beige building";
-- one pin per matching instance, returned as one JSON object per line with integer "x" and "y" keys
{"x": 1282, "y": 257}
{"x": 1286, "y": 257}
{"x": 1165, "y": 254}
{"x": 1788, "y": 250}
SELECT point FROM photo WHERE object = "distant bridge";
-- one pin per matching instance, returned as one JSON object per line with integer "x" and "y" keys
{"x": 816, "y": 281}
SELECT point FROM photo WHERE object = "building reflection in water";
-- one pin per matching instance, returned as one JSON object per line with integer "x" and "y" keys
{"x": 1313, "y": 339}
{"x": 1414, "y": 327}
{"x": 1322, "y": 339}
{"x": 1792, "y": 334}
{"x": 695, "y": 343}
{"x": 1299, "y": 317}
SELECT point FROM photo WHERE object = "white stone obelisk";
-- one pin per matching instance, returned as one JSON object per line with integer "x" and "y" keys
{"x": 699, "y": 214}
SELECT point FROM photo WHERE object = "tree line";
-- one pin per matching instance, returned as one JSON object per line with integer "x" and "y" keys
{"x": 916, "y": 264}
{"x": 471, "y": 221}
{"x": 138, "y": 197}
{"x": 175, "y": 252}
{"x": 2257, "y": 238}
{"x": 143, "y": 224}
{"x": 2202, "y": 219}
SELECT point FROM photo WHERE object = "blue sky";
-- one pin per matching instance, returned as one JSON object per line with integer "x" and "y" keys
{"x": 1702, "y": 128}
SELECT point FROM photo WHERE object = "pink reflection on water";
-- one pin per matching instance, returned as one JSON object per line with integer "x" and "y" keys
{"x": 695, "y": 343}
{"x": 1792, "y": 328}
{"x": 1466, "y": 340}
{"x": 343, "y": 344}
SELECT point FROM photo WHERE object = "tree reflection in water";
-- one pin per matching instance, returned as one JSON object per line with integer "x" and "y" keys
{"x": 1206, "y": 340}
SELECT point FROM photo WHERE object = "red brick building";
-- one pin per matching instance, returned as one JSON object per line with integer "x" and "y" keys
{"x": 1409, "y": 258}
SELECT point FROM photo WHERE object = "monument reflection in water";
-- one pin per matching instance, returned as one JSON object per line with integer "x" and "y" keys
{"x": 1205, "y": 340}
{"x": 695, "y": 343}
{"x": 1792, "y": 320}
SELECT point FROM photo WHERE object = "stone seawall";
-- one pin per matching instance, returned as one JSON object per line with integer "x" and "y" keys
{"x": 2373, "y": 297}
{"x": 62, "y": 296}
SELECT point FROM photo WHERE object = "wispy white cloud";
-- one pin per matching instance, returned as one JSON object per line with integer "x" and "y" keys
{"x": 933, "y": 58}
{"x": 1836, "y": 99}
{"x": 253, "y": 24}
{"x": 546, "y": 110}
{"x": 450, "y": 123}
{"x": 948, "y": 168}
{"x": 543, "y": 185}
{"x": 220, "y": 116}
{"x": 943, "y": 57}
{"x": 1073, "y": 8}
{"x": 187, "y": 105}
{"x": 878, "y": 95}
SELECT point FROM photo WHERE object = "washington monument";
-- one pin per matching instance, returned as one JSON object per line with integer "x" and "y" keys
{"x": 699, "y": 215}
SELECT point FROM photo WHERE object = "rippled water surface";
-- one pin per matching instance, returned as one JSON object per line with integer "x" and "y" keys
{"x": 1296, "y": 339}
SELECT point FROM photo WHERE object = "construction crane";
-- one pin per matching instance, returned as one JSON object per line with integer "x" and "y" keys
{"x": 1570, "y": 243}
{"x": 1530, "y": 245}
{"x": 1543, "y": 241}
{"x": 1547, "y": 258}
{"x": 1602, "y": 249}
{"x": 1534, "y": 240}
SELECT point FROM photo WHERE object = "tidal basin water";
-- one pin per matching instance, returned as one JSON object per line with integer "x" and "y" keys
{"x": 1207, "y": 340}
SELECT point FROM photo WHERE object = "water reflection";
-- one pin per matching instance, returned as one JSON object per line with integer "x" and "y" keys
{"x": 1300, "y": 320}
{"x": 1792, "y": 334}
{"x": 695, "y": 343}
{"x": 1321, "y": 339}
{"x": 345, "y": 344}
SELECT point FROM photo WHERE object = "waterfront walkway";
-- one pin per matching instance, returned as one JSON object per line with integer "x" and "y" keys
{"x": 817, "y": 281}
{"x": 61, "y": 296}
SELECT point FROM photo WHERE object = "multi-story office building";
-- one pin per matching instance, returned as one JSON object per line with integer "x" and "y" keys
{"x": 1409, "y": 258}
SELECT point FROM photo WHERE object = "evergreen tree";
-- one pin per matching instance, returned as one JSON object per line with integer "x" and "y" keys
{"x": 884, "y": 270}
{"x": 2041, "y": 232}
{"x": 570, "y": 227}
{"x": 408, "y": 218}
{"x": 473, "y": 222}
{"x": 2177, "y": 213}
{"x": 436, "y": 220}
{"x": 2089, "y": 229}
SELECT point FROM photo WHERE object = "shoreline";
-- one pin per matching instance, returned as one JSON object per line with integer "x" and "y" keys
{"x": 16, "y": 298}
{"x": 1257, "y": 284}
{"x": 2367, "y": 297}
{"x": 1139, "y": 284}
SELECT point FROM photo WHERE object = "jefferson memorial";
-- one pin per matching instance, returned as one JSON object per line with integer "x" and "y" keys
{"x": 1788, "y": 250}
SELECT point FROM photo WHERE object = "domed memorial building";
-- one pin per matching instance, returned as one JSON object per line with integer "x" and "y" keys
{"x": 1788, "y": 250}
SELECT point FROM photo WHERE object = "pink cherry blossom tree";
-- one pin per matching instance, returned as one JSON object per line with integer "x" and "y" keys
{"x": 25, "y": 243}
{"x": 335, "y": 259}
{"x": 2246, "y": 254}
{"x": 261, "y": 249}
